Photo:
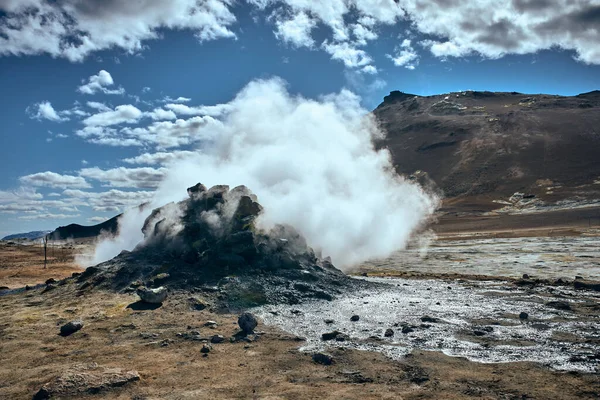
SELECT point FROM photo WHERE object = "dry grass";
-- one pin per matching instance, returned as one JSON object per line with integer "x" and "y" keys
{"x": 22, "y": 265}
{"x": 269, "y": 368}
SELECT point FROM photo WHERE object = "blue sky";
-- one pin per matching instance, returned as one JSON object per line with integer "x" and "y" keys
{"x": 75, "y": 89}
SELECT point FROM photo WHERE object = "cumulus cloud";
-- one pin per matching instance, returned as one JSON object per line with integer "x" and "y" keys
{"x": 54, "y": 180}
{"x": 296, "y": 30}
{"x": 123, "y": 114}
{"x": 312, "y": 165}
{"x": 161, "y": 158}
{"x": 49, "y": 216}
{"x": 20, "y": 194}
{"x": 113, "y": 200}
{"x": 405, "y": 55}
{"x": 122, "y": 177}
{"x": 44, "y": 110}
{"x": 350, "y": 55}
{"x": 73, "y": 29}
{"x": 159, "y": 114}
{"x": 96, "y": 220}
{"x": 492, "y": 29}
{"x": 213, "y": 111}
{"x": 180, "y": 99}
{"x": 167, "y": 134}
{"x": 100, "y": 83}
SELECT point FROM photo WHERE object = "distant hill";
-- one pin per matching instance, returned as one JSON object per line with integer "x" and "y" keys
{"x": 76, "y": 231}
{"x": 480, "y": 147}
{"x": 28, "y": 235}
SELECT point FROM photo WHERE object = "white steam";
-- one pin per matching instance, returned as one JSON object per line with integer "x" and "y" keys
{"x": 312, "y": 165}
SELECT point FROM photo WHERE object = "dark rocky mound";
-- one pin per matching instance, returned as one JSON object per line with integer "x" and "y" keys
{"x": 76, "y": 231}
{"x": 210, "y": 242}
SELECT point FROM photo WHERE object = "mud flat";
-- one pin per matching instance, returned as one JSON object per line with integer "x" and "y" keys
{"x": 480, "y": 321}
{"x": 541, "y": 257}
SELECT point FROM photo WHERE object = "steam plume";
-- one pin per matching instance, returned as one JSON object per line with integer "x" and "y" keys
{"x": 312, "y": 165}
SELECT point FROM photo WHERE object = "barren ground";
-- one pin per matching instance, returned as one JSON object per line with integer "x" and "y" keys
{"x": 271, "y": 367}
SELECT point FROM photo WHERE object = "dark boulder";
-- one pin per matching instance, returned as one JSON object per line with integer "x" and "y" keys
{"x": 322, "y": 358}
{"x": 71, "y": 327}
{"x": 247, "y": 322}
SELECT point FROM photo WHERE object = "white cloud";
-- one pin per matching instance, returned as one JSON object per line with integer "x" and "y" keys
{"x": 123, "y": 114}
{"x": 20, "y": 194}
{"x": 213, "y": 111}
{"x": 180, "y": 99}
{"x": 297, "y": 30}
{"x": 73, "y": 29}
{"x": 96, "y": 220}
{"x": 49, "y": 216}
{"x": 405, "y": 55}
{"x": 159, "y": 114}
{"x": 100, "y": 83}
{"x": 113, "y": 200}
{"x": 369, "y": 69}
{"x": 98, "y": 106}
{"x": 44, "y": 110}
{"x": 349, "y": 54}
{"x": 492, "y": 29}
{"x": 54, "y": 180}
{"x": 159, "y": 158}
{"x": 167, "y": 134}
{"x": 122, "y": 177}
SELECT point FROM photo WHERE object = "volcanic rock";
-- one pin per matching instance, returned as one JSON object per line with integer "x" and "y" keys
{"x": 559, "y": 305}
{"x": 330, "y": 335}
{"x": 523, "y": 315}
{"x": 152, "y": 296}
{"x": 247, "y": 322}
{"x": 322, "y": 358}
{"x": 71, "y": 327}
{"x": 212, "y": 235}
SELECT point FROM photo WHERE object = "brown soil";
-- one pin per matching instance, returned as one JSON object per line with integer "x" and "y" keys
{"x": 22, "y": 265}
{"x": 271, "y": 367}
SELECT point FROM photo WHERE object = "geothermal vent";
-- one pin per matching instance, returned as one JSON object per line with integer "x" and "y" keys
{"x": 211, "y": 242}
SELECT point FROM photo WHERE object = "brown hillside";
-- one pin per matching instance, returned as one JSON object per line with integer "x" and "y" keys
{"x": 484, "y": 146}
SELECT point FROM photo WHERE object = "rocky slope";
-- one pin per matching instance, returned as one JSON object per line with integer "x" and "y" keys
{"x": 484, "y": 146}
{"x": 76, "y": 231}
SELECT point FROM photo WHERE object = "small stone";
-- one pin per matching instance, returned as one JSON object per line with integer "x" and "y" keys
{"x": 342, "y": 337}
{"x": 322, "y": 358}
{"x": 427, "y": 318}
{"x": 525, "y": 276}
{"x": 407, "y": 329}
{"x": 71, "y": 327}
{"x": 523, "y": 315}
{"x": 206, "y": 348}
{"x": 329, "y": 321}
{"x": 51, "y": 280}
{"x": 48, "y": 288}
{"x": 559, "y": 305}
{"x": 330, "y": 335}
{"x": 389, "y": 332}
{"x": 211, "y": 324}
{"x": 197, "y": 303}
{"x": 247, "y": 322}
{"x": 217, "y": 339}
{"x": 354, "y": 318}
